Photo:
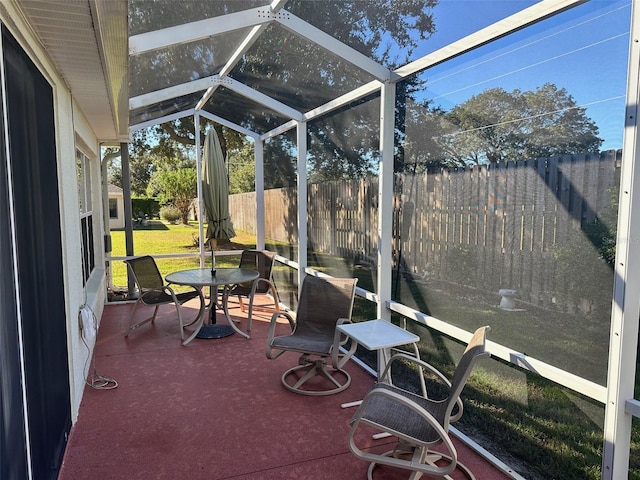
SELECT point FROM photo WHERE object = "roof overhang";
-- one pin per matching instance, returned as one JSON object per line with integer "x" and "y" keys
{"x": 87, "y": 42}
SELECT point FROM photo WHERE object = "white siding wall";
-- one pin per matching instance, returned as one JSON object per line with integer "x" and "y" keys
{"x": 71, "y": 126}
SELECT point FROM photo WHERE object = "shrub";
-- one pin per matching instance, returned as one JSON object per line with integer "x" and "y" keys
{"x": 170, "y": 213}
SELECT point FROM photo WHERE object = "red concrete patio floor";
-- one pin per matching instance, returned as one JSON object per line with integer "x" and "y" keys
{"x": 214, "y": 409}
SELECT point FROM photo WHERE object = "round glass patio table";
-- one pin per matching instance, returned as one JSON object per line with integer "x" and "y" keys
{"x": 220, "y": 277}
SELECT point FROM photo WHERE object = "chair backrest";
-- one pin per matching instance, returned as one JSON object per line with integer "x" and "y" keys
{"x": 322, "y": 302}
{"x": 262, "y": 261}
{"x": 475, "y": 351}
{"x": 145, "y": 272}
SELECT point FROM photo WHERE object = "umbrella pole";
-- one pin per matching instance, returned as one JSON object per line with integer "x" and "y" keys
{"x": 213, "y": 329}
{"x": 213, "y": 291}
{"x": 213, "y": 243}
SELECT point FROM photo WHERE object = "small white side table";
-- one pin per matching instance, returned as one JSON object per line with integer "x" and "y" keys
{"x": 378, "y": 335}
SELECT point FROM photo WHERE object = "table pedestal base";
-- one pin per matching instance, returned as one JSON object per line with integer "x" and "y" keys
{"x": 215, "y": 330}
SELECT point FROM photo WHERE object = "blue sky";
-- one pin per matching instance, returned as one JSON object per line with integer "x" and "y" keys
{"x": 583, "y": 50}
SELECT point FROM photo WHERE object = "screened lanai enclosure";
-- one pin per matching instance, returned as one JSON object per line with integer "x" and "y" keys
{"x": 471, "y": 163}
{"x": 465, "y": 160}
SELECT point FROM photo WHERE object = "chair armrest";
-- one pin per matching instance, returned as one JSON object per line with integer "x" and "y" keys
{"x": 271, "y": 354}
{"x": 167, "y": 288}
{"x": 144, "y": 292}
{"x": 339, "y": 337}
{"x": 422, "y": 365}
{"x": 272, "y": 288}
{"x": 337, "y": 359}
{"x": 419, "y": 363}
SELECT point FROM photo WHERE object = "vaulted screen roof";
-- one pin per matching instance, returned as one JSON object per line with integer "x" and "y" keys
{"x": 258, "y": 65}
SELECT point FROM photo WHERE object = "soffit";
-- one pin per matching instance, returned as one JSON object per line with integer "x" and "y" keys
{"x": 87, "y": 43}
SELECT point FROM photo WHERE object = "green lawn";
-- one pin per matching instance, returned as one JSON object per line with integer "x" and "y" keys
{"x": 162, "y": 238}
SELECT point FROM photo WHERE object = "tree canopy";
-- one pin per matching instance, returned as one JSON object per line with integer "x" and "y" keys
{"x": 498, "y": 126}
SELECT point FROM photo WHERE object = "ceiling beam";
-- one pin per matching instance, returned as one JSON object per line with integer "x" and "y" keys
{"x": 174, "y": 92}
{"x": 334, "y": 46}
{"x": 161, "y": 120}
{"x": 517, "y": 21}
{"x": 262, "y": 99}
{"x": 228, "y": 124}
{"x": 198, "y": 30}
{"x": 246, "y": 44}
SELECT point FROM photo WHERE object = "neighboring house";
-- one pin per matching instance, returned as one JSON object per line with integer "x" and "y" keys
{"x": 116, "y": 208}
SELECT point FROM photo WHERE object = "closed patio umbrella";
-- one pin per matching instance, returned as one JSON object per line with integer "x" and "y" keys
{"x": 215, "y": 195}
{"x": 215, "y": 191}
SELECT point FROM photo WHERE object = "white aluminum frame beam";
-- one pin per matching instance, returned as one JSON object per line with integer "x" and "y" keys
{"x": 228, "y": 124}
{"x": 246, "y": 44}
{"x": 302, "y": 201}
{"x": 385, "y": 207}
{"x": 625, "y": 317}
{"x": 250, "y": 39}
{"x": 157, "y": 96}
{"x": 175, "y": 91}
{"x": 385, "y": 197}
{"x": 285, "y": 127}
{"x": 196, "y": 124}
{"x": 328, "y": 107}
{"x": 160, "y": 120}
{"x": 258, "y": 154}
{"x": 198, "y": 30}
{"x": 343, "y": 100}
{"x": 335, "y": 47}
{"x": 517, "y": 21}
{"x": 262, "y": 99}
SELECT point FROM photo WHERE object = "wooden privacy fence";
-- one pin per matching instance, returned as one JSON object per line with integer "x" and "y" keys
{"x": 517, "y": 225}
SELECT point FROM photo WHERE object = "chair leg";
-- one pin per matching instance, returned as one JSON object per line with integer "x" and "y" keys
{"x": 150, "y": 319}
{"x": 422, "y": 456}
{"x": 180, "y": 321}
{"x": 131, "y": 315}
{"x": 309, "y": 369}
{"x": 242, "y": 307}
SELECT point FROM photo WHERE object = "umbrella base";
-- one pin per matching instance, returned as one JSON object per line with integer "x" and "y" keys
{"x": 214, "y": 331}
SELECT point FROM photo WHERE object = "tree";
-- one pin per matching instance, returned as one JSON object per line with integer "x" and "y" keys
{"x": 176, "y": 187}
{"x": 141, "y": 169}
{"x": 498, "y": 126}
{"x": 419, "y": 126}
{"x": 242, "y": 170}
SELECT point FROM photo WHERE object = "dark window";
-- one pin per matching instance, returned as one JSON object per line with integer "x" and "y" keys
{"x": 83, "y": 172}
{"x": 113, "y": 208}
